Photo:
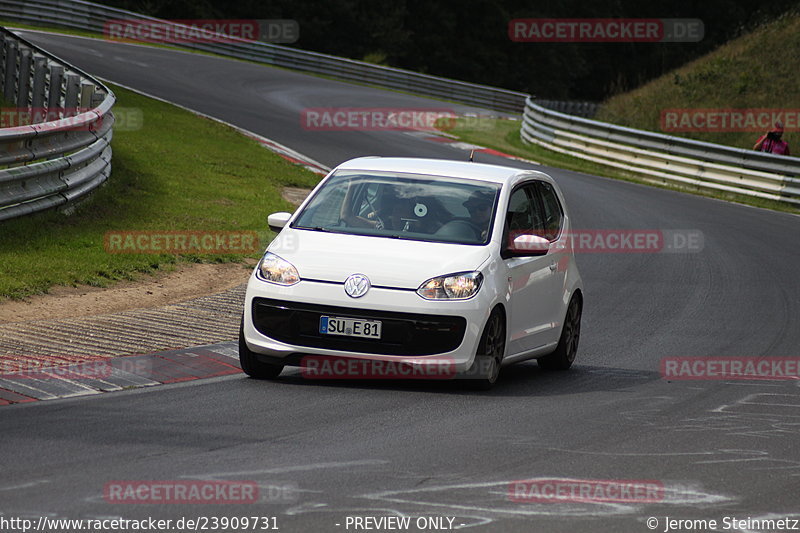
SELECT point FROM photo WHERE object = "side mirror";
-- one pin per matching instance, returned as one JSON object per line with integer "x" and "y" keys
{"x": 529, "y": 245}
{"x": 277, "y": 221}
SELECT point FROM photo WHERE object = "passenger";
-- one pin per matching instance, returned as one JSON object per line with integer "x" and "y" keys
{"x": 479, "y": 205}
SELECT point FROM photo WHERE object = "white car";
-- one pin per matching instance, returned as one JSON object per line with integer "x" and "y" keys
{"x": 418, "y": 268}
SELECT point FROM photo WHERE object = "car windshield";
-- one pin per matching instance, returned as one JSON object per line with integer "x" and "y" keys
{"x": 404, "y": 206}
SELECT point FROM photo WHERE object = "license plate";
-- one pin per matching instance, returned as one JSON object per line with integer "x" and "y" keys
{"x": 350, "y": 327}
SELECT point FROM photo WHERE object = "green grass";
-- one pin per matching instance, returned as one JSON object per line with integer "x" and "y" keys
{"x": 194, "y": 174}
{"x": 503, "y": 135}
{"x": 758, "y": 70}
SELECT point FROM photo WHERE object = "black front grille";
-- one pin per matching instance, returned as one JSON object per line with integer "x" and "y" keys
{"x": 402, "y": 333}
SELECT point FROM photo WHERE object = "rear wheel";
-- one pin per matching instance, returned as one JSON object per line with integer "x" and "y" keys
{"x": 250, "y": 363}
{"x": 486, "y": 368}
{"x": 564, "y": 355}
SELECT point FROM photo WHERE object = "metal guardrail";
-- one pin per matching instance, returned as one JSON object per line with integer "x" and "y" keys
{"x": 664, "y": 158}
{"x": 57, "y": 149}
{"x": 571, "y": 107}
{"x": 656, "y": 157}
{"x": 83, "y": 15}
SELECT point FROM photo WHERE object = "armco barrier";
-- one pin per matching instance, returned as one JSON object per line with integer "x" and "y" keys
{"x": 654, "y": 156}
{"x": 93, "y": 17}
{"x": 65, "y": 154}
{"x": 665, "y": 158}
{"x": 570, "y": 107}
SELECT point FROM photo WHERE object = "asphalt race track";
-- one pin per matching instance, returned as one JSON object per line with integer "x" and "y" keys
{"x": 324, "y": 451}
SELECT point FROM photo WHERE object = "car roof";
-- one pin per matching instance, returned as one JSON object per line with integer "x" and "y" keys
{"x": 437, "y": 167}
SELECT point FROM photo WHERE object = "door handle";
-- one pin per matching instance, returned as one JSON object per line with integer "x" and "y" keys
{"x": 553, "y": 266}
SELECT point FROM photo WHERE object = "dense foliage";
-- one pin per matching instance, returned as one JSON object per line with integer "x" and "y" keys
{"x": 468, "y": 39}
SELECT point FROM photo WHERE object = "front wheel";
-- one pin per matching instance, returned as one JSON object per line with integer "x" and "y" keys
{"x": 250, "y": 363}
{"x": 486, "y": 368}
{"x": 564, "y": 354}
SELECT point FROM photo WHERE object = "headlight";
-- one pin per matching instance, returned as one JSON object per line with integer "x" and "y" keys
{"x": 452, "y": 287}
{"x": 276, "y": 270}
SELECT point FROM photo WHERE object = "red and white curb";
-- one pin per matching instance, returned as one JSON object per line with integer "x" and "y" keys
{"x": 119, "y": 373}
{"x": 453, "y": 142}
{"x": 287, "y": 153}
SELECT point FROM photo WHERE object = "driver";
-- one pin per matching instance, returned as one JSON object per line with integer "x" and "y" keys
{"x": 384, "y": 213}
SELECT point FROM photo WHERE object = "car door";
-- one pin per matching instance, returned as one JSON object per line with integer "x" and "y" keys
{"x": 532, "y": 283}
{"x": 553, "y": 221}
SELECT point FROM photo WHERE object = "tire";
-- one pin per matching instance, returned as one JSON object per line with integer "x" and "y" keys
{"x": 250, "y": 363}
{"x": 492, "y": 347}
{"x": 564, "y": 354}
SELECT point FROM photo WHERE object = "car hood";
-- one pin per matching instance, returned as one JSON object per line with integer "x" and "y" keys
{"x": 386, "y": 262}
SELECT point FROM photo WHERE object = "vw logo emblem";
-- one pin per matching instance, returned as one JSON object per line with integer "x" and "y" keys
{"x": 356, "y": 285}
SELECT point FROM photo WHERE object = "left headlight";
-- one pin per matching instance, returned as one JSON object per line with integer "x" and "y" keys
{"x": 277, "y": 270}
{"x": 460, "y": 286}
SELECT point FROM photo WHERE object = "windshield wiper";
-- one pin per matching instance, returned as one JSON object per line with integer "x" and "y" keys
{"x": 317, "y": 228}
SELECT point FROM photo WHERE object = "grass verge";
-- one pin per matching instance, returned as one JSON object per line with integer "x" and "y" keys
{"x": 755, "y": 71}
{"x": 503, "y": 135}
{"x": 178, "y": 172}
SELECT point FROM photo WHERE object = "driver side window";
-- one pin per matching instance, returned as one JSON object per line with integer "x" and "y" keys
{"x": 519, "y": 215}
{"x": 523, "y": 216}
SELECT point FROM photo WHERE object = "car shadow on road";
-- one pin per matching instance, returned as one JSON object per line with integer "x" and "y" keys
{"x": 523, "y": 379}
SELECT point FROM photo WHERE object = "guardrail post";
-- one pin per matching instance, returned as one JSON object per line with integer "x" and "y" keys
{"x": 39, "y": 88}
{"x": 71, "y": 95}
{"x": 24, "y": 83}
{"x": 54, "y": 93}
{"x": 87, "y": 90}
{"x": 97, "y": 97}
{"x": 10, "y": 71}
{"x": 2, "y": 57}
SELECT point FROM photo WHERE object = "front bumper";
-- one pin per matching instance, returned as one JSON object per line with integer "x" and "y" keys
{"x": 282, "y": 324}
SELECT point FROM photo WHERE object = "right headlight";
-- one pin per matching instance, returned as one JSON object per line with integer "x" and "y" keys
{"x": 275, "y": 269}
{"x": 459, "y": 286}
